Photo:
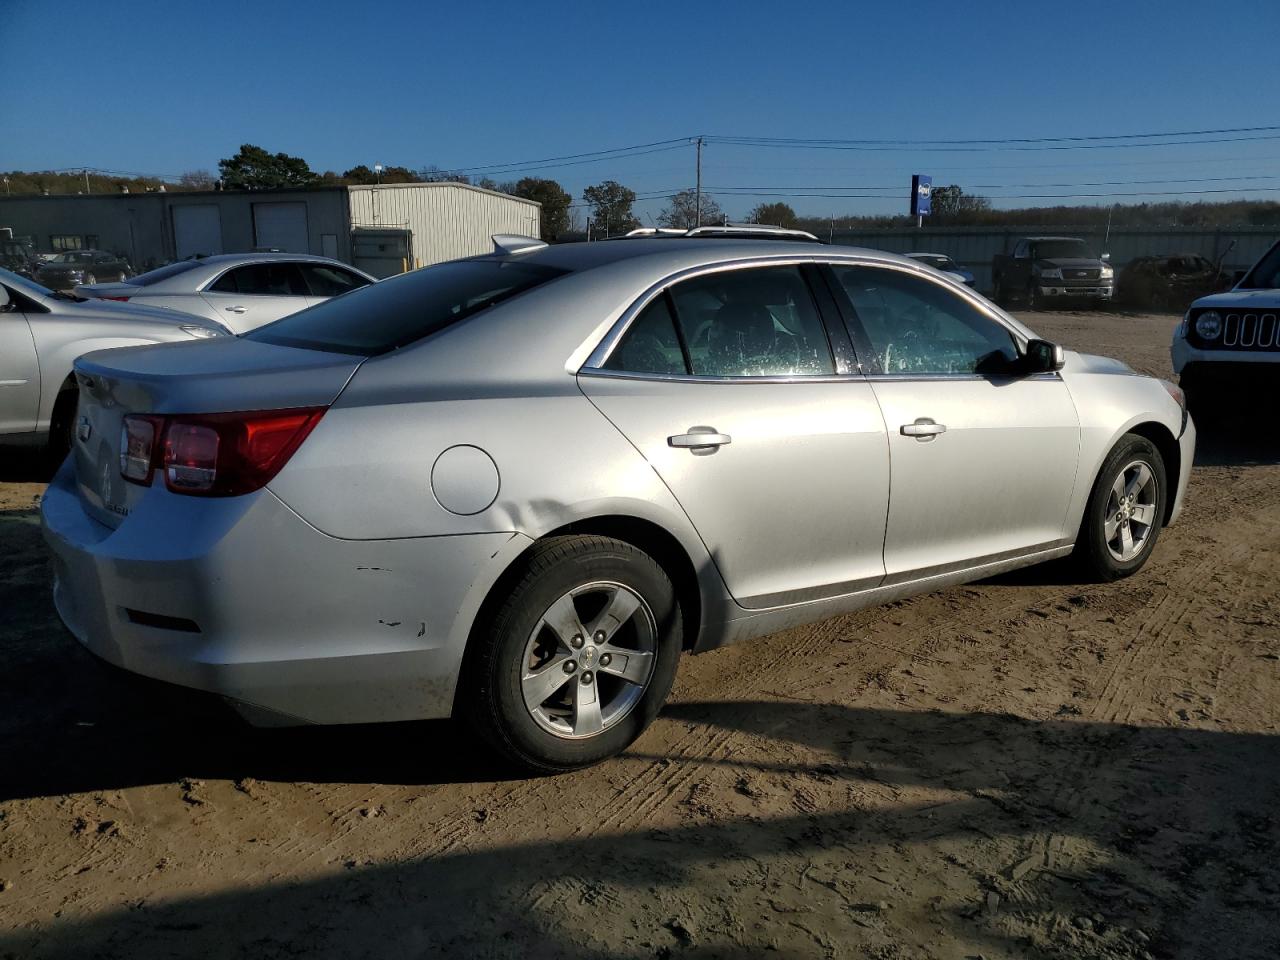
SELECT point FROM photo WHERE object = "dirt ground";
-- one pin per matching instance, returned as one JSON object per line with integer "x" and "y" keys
{"x": 1025, "y": 767}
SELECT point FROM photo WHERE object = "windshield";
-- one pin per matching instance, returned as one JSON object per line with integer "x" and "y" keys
{"x": 394, "y": 313}
{"x": 23, "y": 285}
{"x": 1266, "y": 275}
{"x": 1054, "y": 249}
{"x": 163, "y": 273}
{"x": 75, "y": 256}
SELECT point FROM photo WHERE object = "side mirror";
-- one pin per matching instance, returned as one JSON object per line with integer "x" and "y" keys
{"x": 1041, "y": 356}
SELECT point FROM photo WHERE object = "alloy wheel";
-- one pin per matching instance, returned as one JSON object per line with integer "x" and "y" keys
{"x": 1130, "y": 516}
{"x": 589, "y": 660}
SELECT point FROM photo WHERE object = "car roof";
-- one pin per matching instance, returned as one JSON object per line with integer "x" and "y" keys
{"x": 922, "y": 253}
{"x": 586, "y": 255}
{"x": 225, "y": 258}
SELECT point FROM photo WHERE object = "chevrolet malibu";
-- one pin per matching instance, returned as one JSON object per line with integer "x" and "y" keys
{"x": 515, "y": 488}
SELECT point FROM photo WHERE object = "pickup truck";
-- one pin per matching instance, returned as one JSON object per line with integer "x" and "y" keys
{"x": 1044, "y": 268}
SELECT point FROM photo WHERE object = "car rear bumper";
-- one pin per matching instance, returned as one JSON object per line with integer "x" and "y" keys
{"x": 244, "y": 599}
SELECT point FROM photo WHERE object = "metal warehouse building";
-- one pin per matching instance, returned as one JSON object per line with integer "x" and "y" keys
{"x": 382, "y": 229}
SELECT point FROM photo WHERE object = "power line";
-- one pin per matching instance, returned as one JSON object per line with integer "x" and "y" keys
{"x": 1006, "y": 186}
{"x": 1003, "y": 140}
{"x": 1009, "y": 196}
{"x": 1007, "y": 147}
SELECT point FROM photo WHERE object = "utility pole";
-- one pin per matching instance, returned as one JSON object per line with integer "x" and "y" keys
{"x": 697, "y": 204}
{"x": 86, "y": 179}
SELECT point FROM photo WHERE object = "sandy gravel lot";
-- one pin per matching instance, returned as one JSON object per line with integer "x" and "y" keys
{"x": 1025, "y": 767}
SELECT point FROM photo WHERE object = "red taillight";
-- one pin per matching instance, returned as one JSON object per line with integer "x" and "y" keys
{"x": 121, "y": 299}
{"x": 218, "y": 454}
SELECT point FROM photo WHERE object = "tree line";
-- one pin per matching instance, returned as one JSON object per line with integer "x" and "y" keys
{"x": 611, "y": 204}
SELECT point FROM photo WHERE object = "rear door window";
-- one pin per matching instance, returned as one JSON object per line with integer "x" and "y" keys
{"x": 757, "y": 322}
{"x": 651, "y": 344}
{"x": 263, "y": 280}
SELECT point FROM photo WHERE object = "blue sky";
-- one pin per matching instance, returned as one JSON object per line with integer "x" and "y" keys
{"x": 166, "y": 87}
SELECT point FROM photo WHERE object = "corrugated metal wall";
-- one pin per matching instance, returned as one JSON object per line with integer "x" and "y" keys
{"x": 448, "y": 220}
{"x": 974, "y": 247}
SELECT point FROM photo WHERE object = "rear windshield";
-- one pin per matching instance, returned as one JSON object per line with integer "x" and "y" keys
{"x": 163, "y": 273}
{"x": 394, "y": 313}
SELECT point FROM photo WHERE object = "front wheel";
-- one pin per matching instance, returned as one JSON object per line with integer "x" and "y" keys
{"x": 1125, "y": 511}
{"x": 577, "y": 658}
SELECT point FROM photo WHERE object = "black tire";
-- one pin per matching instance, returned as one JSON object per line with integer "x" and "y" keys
{"x": 490, "y": 694}
{"x": 1092, "y": 552}
{"x": 62, "y": 426}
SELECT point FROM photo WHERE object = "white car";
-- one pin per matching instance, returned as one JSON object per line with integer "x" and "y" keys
{"x": 241, "y": 290}
{"x": 1230, "y": 341}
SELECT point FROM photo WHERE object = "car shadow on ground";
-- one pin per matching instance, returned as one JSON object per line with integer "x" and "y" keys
{"x": 25, "y": 465}
{"x": 1249, "y": 440}
{"x": 1171, "y": 832}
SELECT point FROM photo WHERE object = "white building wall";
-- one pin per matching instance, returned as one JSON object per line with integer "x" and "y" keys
{"x": 448, "y": 220}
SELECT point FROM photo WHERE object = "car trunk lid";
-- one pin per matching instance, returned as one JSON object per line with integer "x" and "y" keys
{"x": 203, "y": 376}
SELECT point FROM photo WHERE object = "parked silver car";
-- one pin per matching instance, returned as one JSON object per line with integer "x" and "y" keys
{"x": 241, "y": 290}
{"x": 516, "y": 487}
{"x": 42, "y": 333}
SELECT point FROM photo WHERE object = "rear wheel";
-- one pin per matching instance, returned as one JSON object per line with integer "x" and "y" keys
{"x": 577, "y": 658}
{"x": 1125, "y": 511}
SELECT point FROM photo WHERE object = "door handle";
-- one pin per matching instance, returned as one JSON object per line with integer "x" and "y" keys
{"x": 924, "y": 429}
{"x": 700, "y": 438}
{"x": 236, "y": 309}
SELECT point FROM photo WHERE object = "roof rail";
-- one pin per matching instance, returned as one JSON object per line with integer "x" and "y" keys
{"x": 750, "y": 230}
{"x": 656, "y": 232}
{"x": 513, "y": 243}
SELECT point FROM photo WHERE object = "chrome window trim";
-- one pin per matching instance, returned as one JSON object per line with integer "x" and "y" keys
{"x": 694, "y": 378}
{"x": 953, "y": 377}
{"x": 598, "y": 357}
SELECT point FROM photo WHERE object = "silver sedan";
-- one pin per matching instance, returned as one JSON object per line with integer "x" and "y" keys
{"x": 515, "y": 488}
{"x": 42, "y": 333}
{"x": 241, "y": 290}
